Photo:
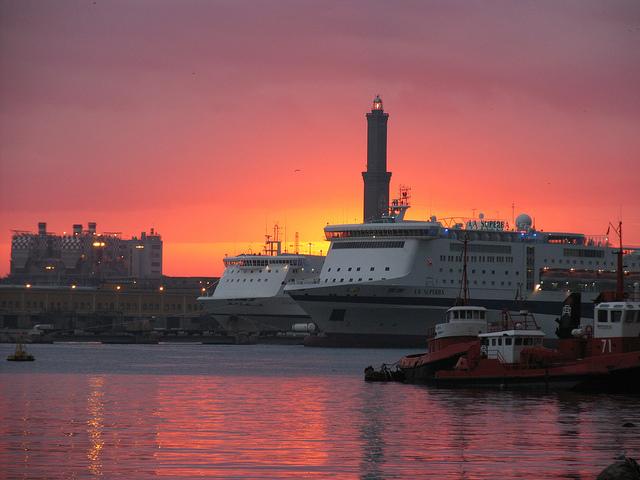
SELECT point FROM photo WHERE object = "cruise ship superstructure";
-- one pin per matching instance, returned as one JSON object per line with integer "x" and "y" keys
{"x": 387, "y": 281}
{"x": 250, "y": 298}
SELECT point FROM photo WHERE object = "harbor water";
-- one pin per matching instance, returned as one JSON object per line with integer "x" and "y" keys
{"x": 268, "y": 411}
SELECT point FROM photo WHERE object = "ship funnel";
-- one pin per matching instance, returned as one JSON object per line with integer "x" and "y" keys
{"x": 42, "y": 228}
{"x": 91, "y": 226}
{"x": 77, "y": 228}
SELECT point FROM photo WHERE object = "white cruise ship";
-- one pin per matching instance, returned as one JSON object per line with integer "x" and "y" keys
{"x": 387, "y": 283}
{"x": 249, "y": 297}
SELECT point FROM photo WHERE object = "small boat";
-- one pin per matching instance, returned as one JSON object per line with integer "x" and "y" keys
{"x": 602, "y": 357}
{"x": 20, "y": 355}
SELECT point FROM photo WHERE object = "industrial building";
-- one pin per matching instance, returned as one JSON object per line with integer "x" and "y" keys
{"x": 83, "y": 257}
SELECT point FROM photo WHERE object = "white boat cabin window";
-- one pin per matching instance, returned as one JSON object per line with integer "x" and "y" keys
{"x": 616, "y": 316}
{"x": 508, "y": 341}
{"x": 602, "y": 316}
{"x": 630, "y": 316}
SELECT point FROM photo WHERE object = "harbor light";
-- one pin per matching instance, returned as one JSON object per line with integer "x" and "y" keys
{"x": 161, "y": 288}
{"x": 117, "y": 287}
{"x": 73, "y": 287}
{"x": 28, "y": 285}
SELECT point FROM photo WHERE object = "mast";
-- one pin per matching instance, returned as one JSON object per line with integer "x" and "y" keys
{"x": 464, "y": 286}
{"x": 620, "y": 273}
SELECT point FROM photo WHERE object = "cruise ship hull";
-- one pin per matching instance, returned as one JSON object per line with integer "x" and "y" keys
{"x": 380, "y": 320}
{"x": 256, "y": 315}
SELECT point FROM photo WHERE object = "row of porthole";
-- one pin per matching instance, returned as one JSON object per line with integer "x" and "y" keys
{"x": 480, "y": 258}
{"x": 475, "y": 282}
{"x": 333, "y": 280}
{"x": 484, "y": 272}
{"x": 371, "y": 269}
{"x": 244, "y": 280}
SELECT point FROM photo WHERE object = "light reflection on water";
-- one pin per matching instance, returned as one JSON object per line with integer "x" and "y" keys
{"x": 286, "y": 412}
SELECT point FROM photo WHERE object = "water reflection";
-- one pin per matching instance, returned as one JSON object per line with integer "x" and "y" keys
{"x": 206, "y": 424}
{"x": 95, "y": 410}
{"x": 305, "y": 425}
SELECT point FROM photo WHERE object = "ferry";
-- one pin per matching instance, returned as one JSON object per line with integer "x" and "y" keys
{"x": 385, "y": 283}
{"x": 249, "y": 298}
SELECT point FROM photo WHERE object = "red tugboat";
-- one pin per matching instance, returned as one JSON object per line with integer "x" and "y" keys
{"x": 604, "y": 356}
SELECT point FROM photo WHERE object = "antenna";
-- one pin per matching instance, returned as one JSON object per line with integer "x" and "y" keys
{"x": 296, "y": 244}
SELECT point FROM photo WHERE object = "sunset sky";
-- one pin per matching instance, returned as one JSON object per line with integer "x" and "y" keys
{"x": 212, "y": 120}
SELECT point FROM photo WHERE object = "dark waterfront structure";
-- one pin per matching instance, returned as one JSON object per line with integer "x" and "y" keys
{"x": 83, "y": 257}
{"x": 376, "y": 178}
{"x": 133, "y": 306}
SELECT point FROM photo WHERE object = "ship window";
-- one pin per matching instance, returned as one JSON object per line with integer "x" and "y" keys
{"x": 616, "y": 315}
{"x": 386, "y": 269}
{"x": 372, "y": 269}
{"x": 338, "y": 269}
{"x": 456, "y": 314}
{"x": 358, "y": 269}
{"x": 326, "y": 280}
{"x": 334, "y": 280}
{"x": 337, "y": 315}
{"x": 360, "y": 279}
{"x": 500, "y": 341}
{"x": 518, "y": 341}
{"x": 341, "y": 280}
{"x": 508, "y": 341}
{"x": 493, "y": 342}
{"x": 476, "y": 314}
{"x": 602, "y": 316}
{"x": 329, "y": 269}
{"x": 351, "y": 279}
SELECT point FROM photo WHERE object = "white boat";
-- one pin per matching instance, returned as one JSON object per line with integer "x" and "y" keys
{"x": 387, "y": 283}
{"x": 249, "y": 297}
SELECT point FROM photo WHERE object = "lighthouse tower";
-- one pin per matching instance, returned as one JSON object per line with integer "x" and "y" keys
{"x": 376, "y": 178}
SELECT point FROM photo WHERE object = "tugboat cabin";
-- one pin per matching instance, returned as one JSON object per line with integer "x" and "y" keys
{"x": 506, "y": 345}
{"x": 463, "y": 321}
{"x": 616, "y": 327}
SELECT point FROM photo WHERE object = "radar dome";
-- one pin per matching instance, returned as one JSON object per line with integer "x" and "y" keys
{"x": 523, "y": 222}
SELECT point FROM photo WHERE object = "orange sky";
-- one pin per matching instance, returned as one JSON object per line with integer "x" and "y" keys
{"x": 193, "y": 117}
